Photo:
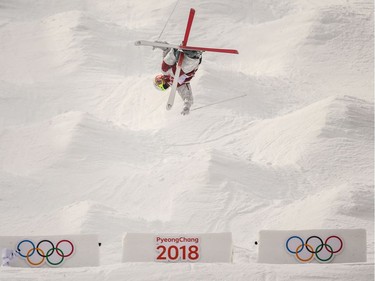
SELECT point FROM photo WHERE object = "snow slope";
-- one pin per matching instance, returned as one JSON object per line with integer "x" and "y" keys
{"x": 282, "y": 136}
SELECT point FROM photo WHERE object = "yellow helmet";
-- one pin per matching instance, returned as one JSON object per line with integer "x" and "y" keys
{"x": 160, "y": 83}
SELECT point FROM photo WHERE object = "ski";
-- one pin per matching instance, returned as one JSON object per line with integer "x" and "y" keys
{"x": 188, "y": 48}
{"x": 155, "y": 44}
{"x": 172, "y": 94}
{"x": 188, "y": 27}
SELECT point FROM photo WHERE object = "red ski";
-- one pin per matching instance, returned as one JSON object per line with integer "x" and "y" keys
{"x": 189, "y": 48}
{"x": 172, "y": 94}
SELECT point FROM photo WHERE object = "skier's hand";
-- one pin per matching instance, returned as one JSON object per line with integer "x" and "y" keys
{"x": 185, "y": 111}
{"x": 168, "y": 79}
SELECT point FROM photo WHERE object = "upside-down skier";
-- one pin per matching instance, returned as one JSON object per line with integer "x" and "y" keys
{"x": 181, "y": 61}
{"x": 191, "y": 62}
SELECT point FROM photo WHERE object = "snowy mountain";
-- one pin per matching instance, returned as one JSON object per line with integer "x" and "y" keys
{"x": 282, "y": 135}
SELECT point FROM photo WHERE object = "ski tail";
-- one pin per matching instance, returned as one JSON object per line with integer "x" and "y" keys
{"x": 188, "y": 26}
{"x": 204, "y": 49}
{"x": 172, "y": 94}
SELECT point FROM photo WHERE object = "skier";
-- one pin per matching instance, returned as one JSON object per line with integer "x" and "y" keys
{"x": 7, "y": 255}
{"x": 190, "y": 64}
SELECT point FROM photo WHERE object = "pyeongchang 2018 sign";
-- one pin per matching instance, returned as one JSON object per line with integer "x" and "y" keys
{"x": 177, "y": 249}
{"x": 322, "y": 249}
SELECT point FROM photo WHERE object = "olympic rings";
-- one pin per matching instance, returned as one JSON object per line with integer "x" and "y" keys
{"x": 316, "y": 250}
{"x": 321, "y": 247}
{"x": 287, "y": 243}
{"x": 37, "y": 247}
{"x": 71, "y": 245}
{"x": 54, "y": 255}
{"x": 341, "y": 243}
{"x": 314, "y": 245}
{"x": 61, "y": 255}
{"x": 33, "y": 263}
{"x": 307, "y": 247}
{"x": 19, "y": 244}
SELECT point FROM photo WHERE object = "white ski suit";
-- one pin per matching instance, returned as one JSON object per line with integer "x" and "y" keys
{"x": 188, "y": 69}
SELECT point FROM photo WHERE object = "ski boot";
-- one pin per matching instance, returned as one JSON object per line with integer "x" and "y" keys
{"x": 186, "y": 109}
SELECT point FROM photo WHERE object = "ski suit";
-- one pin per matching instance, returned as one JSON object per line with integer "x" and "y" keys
{"x": 189, "y": 66}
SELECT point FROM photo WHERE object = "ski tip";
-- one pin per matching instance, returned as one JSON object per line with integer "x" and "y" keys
{"x": 169, "y": 106}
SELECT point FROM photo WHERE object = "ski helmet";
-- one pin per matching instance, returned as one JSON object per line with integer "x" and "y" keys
{"x": 160, "y": 83}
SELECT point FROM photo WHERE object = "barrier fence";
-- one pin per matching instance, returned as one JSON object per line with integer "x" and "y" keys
{"x": 275, "y": 247}
{"x": 312, "y": 246}
{"x": 203, "y": 248}
{"x": 50, "y": 251}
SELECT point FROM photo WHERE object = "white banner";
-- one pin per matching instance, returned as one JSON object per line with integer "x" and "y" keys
{"x": 312, "y": 246}
{"x": 50, "y": 251}
{"x": 203, "y": 248}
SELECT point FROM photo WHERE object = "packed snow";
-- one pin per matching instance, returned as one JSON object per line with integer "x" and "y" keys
{"x": 282, "y": 135}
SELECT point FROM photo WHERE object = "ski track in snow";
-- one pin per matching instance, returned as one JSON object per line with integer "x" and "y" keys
{"x": 86, "y": 145}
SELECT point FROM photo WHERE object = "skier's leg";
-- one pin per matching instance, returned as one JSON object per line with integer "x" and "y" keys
{"x": 187, "y": 96}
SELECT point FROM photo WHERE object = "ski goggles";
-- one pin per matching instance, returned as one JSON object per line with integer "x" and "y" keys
{"x": 160, "y": 83}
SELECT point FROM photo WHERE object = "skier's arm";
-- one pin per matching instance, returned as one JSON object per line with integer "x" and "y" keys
{"x": 185, "y": 77}
{"x": 168, "y": 62}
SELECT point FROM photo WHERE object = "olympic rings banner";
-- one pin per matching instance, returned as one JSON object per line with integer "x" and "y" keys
{"x": 177, "y": 248}
{"x": 312, "y": 246}
{"x": 50, "y": 251}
